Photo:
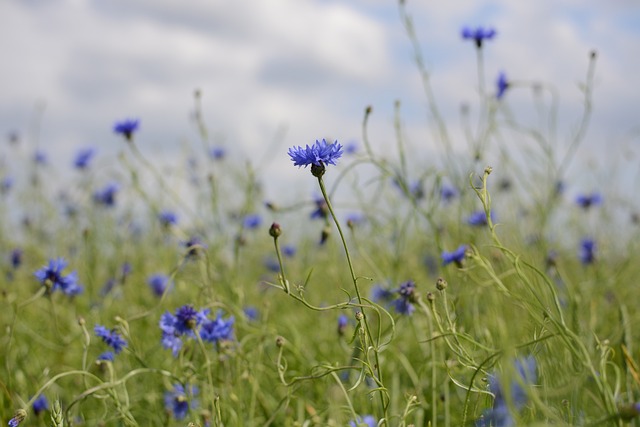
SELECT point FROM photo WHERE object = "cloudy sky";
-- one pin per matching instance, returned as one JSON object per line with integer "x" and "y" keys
{"x": 298, "y": 70}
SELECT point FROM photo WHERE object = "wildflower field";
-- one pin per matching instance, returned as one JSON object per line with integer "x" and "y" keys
{"x": 486, "y": 288}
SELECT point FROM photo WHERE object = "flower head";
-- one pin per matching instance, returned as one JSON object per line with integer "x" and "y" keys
{"x": 110, "y": 337}
{"x": 158, "y": 284}
{"x": 319, "y": 155}
{"x": 107, "y": 356}
{"x": 51, "y": 276}
{"x": 126, "y": 128}
{"x": 107, "y": 195}
{"x": 167, "y": 218}
{"x": 83, "y": 158}
{"x": 479, "y": 218}
{"x": 217, "y": 153}
{"x": 587, "y": 252}
{"x": 16, "y": 258}
{"x": 251, "y": 313}
{"x": 448, "y": 192}
{"x": 40, "y": 157}
{"x": 218, "y": 329}
{"x": 322, "y": 210}
{"x": 18, "y": 417}
{"x": 456, "y": 256}
{"x": 252, "y": 221}
{"x": 177, "y": 400}
{"x": 478, "y": 34}
{"x": 407, "y": 296}
{"x": 585, "y": 201}
{"x": 41, "y": 404}
{"x": 367, "y": 420}
{"x": 502, "y": 84}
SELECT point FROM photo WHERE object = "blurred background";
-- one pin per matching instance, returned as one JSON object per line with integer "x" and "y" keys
{"x": 285, "y": 72}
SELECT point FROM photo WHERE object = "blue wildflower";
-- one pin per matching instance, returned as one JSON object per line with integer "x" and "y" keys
{"x": 319, "y": 155}
{"x": 289, "y": 251}
{"x": 351, "y": 147}
{"x": 585, "y": 201}
{"x": 252, "y": 221}
{"x": 177, "y": 400}
{"x": 6, "y": 184}
{"x": 217, "y": 153}
{"x": 479, "y": 218}
{"x": 193, "y": 245}
{"x": 380, "y": 294}
{"x": 40, "y": 157}
{"x": 83, "y": 158}
{"x": 407, "y": 296}
{"x": 16, "y": 258}
{"x": 272, "y": 264}
{"x": 18, "y": 417}
{"x": 478, "y": 35}
{"x": 218, "y": 329}
{"x": 107, "y": 356}
{"x": 343, "y": 320}
{"x": 367, "y": 420}
{"x": 110, "y": 337}
{"x": 107, "y": 195}
{"x": 167, "y": 218}
{"x": 587, "y": 251}
{"x": 502, "y": 84}
{"x": 448, "y": 192}
{"x": 51, "y": 276}
{"x": 41, "y": 404}
{"x": 456, "y": 256}
{"x": 126, "y": 128}
{"x": 251, "y": 313}
{"x": 355, "y": 219}
{"x": 187, "y": 319}
{"x": 500, "y": 414}
{"x": 322, "y": 210}
{"x": 158, "y": 284}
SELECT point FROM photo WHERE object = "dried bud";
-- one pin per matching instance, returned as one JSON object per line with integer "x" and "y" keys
{"x": 441, "y": 284}
{"x": 280, "y": 341}
{"x": 431, "y": 297}
{"x": 359, "y": 316}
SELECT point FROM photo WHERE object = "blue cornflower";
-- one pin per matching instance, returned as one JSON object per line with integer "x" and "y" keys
{"x": 158, "y": 284}
{"x": 380, "y": 294}
{"x": 478, "y": 35}
{"x": 502, "y": 84}
{"x": 407, "y": 296}
{"x": 107, "y": 356}
{"x": 479, "y": 218}
{"x": 126, "y": 128}
{"x": 289, "y": 251}
{"x": 252, "y": 221}
{"x": 500, "y": 414}
{"x": 107, "y": 195}
{"x": 251, "y": 313}
{"x": 16, "y": 258}
{"x": 367, "y": 420}
{"x": 40, "y": 157}
{"x": 448, "y": 192}
{"x": 272, "y": 264}
{"x": 41, "y": 404}
{"x": 51, "y": 276}
{"x": 343, "y": 320}
{"x": 355, "y": 219}
{"x": 177, "y": 400}
{"x": 217, "y": 153}
{"x": 183, "y": 323}
{"x": 18, "y": 417}
{"x": 218, "y": 329}
{"x": 585, "y": 201}
{"x": 167, "y": 218}
{"x": 110, "y": 337}
{"x": 456, "y": 256}
{"x": 6, "y": 184}
{"x": 193, "y": 245}
{"x": 322, "y": 210}
{"x": 319, "y": 155}
{"x": 587, "y": 252}
{"x": 83, "y": 158}
{"x": 351, "y": 147}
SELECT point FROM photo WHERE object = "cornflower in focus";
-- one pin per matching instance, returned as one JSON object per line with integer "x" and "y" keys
{"x": 52, "y": 278}
{"x": 317, "y": 155}
{"x": 478, "y": 35}
{"x": 110, "y": 337}
{"x": 126, "y": 128}
{"x": 177, "y": 400}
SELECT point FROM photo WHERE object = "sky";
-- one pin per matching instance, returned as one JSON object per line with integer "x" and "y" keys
{"x": 277, "y": 73}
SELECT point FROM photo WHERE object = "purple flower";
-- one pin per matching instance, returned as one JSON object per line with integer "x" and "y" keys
{"x": 587, "y": 251}
{"x": 319, "y": 154}
{"x": 456, "y": 256}
{"x": 404, "y": 303}
{"x": 252, "y": 221}
{"x": 18, "y": 417}
{"x": 107, "y": 356}
{"x": 16, "y": 258}
{"x": 251, "y": 313}
{"x": 83, "y": 158}
{"x": 51, "y": 276}
{"x": 322, "y": 210}
{"x": 479, "y": 218}
{"x": 6, "y": 184}
{"x": 41, "y": 404}
{"x": 289, "y": 251}
{"x": 218, "y": 329}
{"x": 502, "y": 84}
{"x": 110, "y": 337}
{"x": 478, "y": 34}
{"x": 185, "y": 321}
{"x": 167, "y": 218}
{"x": 193, "y": 245}
{"x": 158, "y": 284}
{"x": 343, "y": 320}
{"x": 217, "y": 153}
{"x": 107, "y": 195}
{"x": 40, "y": 157}
{"x": 585, "y": 201}
{"x": 448, "y": 192}
{"x": 380, "y": 294}
{"x": 126, "y": 128}
{"x": 367, "y": 420}
{"x": 177, "y": 400}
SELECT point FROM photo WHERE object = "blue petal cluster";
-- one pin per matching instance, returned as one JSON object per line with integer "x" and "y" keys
{"x": 126, "y": 128}
{"x": 51, "y": 276}
{"x": 502, "y": 85}
{"x": 479, "y": 218}
{"x": 83, "y": 158}
{"x": 252, "y": 221}
{"x": 158, "y": 283}
{"x": 187, "y": 321}
{"x": 586, "y": 201}
{"x": 177, "y": 400}
{"x": 107, "y": 195}
{"x": 500, "y": 414}
{"x": 478, "y": 34}
{"x": 41, "y": 404}
{"x": 406, "y": 298}
{"x": 367, "y": 420}
{"x": 448, "y": 192}
{"x": 110, "y": 337}
{"x": 167, "y": 218}
{"x": 320, "y": 154}
{"x": 587, "y": 252}
{"x": 456, "y": 256}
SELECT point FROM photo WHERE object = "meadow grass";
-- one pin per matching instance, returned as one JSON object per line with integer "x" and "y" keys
{"x": 453, "y": 293}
